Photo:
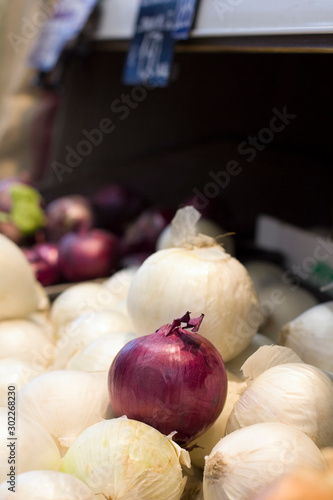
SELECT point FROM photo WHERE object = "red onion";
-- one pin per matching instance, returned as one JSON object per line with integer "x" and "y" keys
{"x": 44, "y": 260}
{"x": 68, "y": 214}
{"x": 116, "y": 205}
{"x": 173, "y": 380}
{"x": 89, "y": 255}
{"x": 142, "y": 235}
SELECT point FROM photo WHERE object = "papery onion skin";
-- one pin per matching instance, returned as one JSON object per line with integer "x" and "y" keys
{"x": 173, "y": 380}
{"x": 126, "y": 459}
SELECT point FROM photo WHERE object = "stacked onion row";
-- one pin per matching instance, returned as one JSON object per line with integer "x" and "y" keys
{"x": 99, "y": 393}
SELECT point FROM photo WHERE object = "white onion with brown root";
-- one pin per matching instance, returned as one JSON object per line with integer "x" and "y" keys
{"x": 196, "y": 275}
{"x": 246, "y": 460}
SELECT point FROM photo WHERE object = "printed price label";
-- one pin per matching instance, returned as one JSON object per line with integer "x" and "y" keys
{"x": 185, "y": 14}
{"x": 64, "y": 24}
{"x": 151, "y": 52}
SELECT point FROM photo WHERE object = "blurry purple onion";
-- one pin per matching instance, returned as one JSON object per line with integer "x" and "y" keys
{"x": 68, "y": 214}
{"x": 44, "y": 260}
{"x": 173, "y": 380}
{"x": 142, "y": 234}
{"x": 115, "y": 206}
{"x": 88, "y": 255}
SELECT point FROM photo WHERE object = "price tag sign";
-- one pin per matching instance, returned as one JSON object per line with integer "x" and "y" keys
{"x": 184, "y": 18}
{"x": 64, "y": 24}
{"x": 150, "y": 55}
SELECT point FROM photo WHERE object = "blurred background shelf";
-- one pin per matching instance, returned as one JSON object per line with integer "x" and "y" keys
{"x": 287, "y": 25}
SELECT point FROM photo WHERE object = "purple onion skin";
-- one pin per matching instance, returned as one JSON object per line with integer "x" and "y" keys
{"x": 172, "y": 380}
{"x": 68, "y": 214}
{"x": 89, "y": 255}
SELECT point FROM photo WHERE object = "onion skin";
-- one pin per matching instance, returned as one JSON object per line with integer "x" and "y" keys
{"x": 87, "y": 256}
{"x": 173, "y": 380}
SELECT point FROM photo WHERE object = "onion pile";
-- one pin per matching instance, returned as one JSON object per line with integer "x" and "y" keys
{"x": 108, "y": 396}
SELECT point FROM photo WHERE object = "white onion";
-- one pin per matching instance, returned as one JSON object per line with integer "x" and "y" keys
{"x": 76, "y": 335}
{"x": 206, "y": 442}
{"x": 99, "y": 354}
{"x": 47, "y": 485}
{"x": 279, "y": 304}
{"x": 81, "y": 298}
{"x": 33, "y": 449}
{"x": 65, "y": 402}
{"x": 310, "y": 335}
{"x": 199, "y": 277}
{"x": 119, "y": 282}
{"x": 123, "y": 458}
{"x": 14, "y": 372}
{"x": 236, "y": 363}
{"x": 203, "y": 226}
{"x": 18, "y": 291}
{"x": 25, "y": 340}
{"x": 248, "y": 459}
{"x": 43, "y": 320}
{"x": 293, "y": 393}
